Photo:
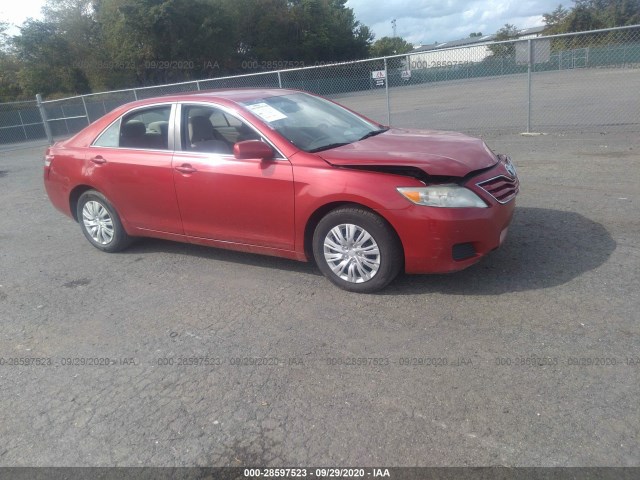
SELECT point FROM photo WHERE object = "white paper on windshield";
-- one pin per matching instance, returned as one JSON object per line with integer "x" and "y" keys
{"x": 266, "y": 112}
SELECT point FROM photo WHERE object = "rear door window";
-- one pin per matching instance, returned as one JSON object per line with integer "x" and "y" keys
{"x": 146, "y": 128}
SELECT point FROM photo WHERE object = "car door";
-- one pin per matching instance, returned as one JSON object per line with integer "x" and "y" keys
{"x": 130, "y": 162}
{"x": 248, "y": 201}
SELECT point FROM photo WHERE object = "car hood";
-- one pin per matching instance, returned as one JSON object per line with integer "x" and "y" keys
{"x": 434, "y": 152}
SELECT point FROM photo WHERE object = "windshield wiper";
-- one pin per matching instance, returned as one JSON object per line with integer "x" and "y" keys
{"x": 374, "y": 133}
{"x": 327, "y": 147}
{"x": 335, "y": 145}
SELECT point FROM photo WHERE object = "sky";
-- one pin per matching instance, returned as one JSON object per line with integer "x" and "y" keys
{"x": 418, "y": 21}
{"x": 16, "y": 12}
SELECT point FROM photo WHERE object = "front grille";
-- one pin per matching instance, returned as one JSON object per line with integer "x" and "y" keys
{"x": 462, "y": 251}
{"x": 502, "y": 188}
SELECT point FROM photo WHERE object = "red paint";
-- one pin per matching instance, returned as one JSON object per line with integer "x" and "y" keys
{"x": 259, "y": 205}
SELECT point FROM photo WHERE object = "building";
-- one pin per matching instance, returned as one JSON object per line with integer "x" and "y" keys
{"x": 459, "y": 52}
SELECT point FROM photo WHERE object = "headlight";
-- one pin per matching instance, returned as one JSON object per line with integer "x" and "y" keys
{"x": 447, "y": 196}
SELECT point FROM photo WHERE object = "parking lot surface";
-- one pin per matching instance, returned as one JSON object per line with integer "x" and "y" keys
{"x": 177, "y": 355}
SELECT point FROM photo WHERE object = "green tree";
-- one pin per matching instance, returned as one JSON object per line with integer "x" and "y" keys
{"x": 281, "y": 32}
{"x": 328, "y": 31}
{"x": 555, "y": 19}
{"x": 363, "y": 38}
{"x": 593, "y": 14}
{"x": 83, "y": 45}
{"x": 76, "y": 24}
{"x": 265, "y": 33}
{"x": 582, "y": 18}
{"x": 508, "y": 32}
{"x": 386, "y": 46}
{"x": 46, "y": 61}
{"x": 3, "y": 36}
{"x": 9, "y": 87}
{"x": 160, "y": 41}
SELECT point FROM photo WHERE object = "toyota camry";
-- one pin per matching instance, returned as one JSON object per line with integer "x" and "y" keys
{"x": 285, "y": 173}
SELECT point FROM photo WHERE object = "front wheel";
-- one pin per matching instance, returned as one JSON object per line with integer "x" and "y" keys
{"x": 100, "y": 222}
{"x": 357, "y": 250}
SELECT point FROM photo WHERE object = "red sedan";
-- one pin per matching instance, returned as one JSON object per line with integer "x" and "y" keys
{"x": 285, "y": 173}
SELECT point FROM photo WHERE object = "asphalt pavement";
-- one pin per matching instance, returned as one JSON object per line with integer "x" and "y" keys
{"x": 177, "y": 355}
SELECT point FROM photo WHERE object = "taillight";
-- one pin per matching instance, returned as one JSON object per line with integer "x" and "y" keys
{"x": 48, "y": 157}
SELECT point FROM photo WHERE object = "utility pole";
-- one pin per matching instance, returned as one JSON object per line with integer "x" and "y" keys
{"x": 393, "y": 24}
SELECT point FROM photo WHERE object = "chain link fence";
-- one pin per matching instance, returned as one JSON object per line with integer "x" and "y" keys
{"x": 20, "y": 122}
{"x": 539, "y": 84}
{"x": 589, "y": 80}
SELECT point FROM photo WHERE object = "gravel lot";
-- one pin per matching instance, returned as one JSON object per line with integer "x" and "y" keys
{"x": 564, "y": 289}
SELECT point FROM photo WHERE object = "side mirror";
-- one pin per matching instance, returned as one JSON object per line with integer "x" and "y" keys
{"x": 252, "y": 149}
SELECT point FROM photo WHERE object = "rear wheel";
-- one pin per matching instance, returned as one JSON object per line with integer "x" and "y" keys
{"x": 357, "y": 250}
{"x": 100, "y": 222}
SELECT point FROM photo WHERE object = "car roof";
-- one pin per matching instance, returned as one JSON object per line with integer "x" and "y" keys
{"x": 220, "y": 96}
{"x": 232, "y": 94}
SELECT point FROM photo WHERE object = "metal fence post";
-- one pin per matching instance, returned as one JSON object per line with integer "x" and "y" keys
{"x": 24, "y": 130}
{"x": 86, "y": 112}
{"x": 386, "y": 87}
{"x": 198, "y": 85}
{"x": 279, "y": 80}
{"x": 45, "y": 122}
{"x": 529, "y": 65}
{"x": 64, "y": 116}
{"x": 135, "y": 94}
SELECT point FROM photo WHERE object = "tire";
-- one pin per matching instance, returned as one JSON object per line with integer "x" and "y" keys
{"x": 100, "y": 223}
{"x": 357, "y": 250}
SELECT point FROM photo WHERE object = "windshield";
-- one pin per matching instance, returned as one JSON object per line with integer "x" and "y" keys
{"x": 311, "y": 123}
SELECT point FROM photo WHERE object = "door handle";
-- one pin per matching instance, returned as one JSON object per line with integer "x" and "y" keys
{"x": 98, "y": 159}
{"x": 186, "y": 168}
